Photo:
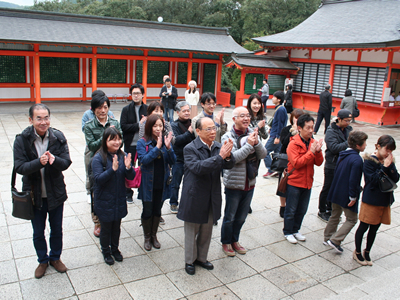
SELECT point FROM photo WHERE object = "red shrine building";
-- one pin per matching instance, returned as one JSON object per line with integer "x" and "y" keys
{"x": 349, "y": 45}
{"x": 52, "y": 56}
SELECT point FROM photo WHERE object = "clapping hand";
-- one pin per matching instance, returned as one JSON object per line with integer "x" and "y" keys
{"x": 261, "y": 124}
{"x": 115, "y": 162}
{"x": 159, "y": 141}
{"x": 128, "y": 161}
{"x": 220, "y": 117}
{"x": 167, "y": 140}
{"x": 226, "y": 149}
{"x": 190, "y": 129}
{"x": 253, "y": 138}
{"x": 319, "y": 145}
{"x": 143, "y": 119}
{"x": 50, "y": 156}
{"x": 44, "y": 159}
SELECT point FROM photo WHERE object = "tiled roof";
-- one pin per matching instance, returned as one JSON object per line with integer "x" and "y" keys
{"x": 262, "y": 61}
{"x": 367, "y": 23}
{"x": 69, "y": 29}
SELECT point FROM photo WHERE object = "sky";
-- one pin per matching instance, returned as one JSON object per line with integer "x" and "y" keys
{"x": 20, "y": 2}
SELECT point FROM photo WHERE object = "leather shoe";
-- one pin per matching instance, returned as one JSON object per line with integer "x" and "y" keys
{"x": 206, "y": 265}
{"x": 58, "y": 265}
{"x": 108, "y": 259}
{"x": 117, "y": 256}
{"x": 40, "y": 270}
{"x": 189, "y": 268}
{"x": 97, "y": 229}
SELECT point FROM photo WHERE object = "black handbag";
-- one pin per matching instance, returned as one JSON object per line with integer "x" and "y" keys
{"x": 356, "y": 111}
{"x": 279, "y": 162}
{"x": 22, "y": 201}
{"x": 386, "y": 184}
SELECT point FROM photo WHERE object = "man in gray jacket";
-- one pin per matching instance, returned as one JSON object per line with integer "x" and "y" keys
{"x": 239, "y": 181}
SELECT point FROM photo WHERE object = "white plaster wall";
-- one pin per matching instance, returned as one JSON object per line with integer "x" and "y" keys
{"x": 114, "y": 91}
{"x": 299, "y": 53}
{"x": 374, "y": 56}
{"x": 61, "y": 92}
{"x": 346, "y": 55}
{"x": 396, "y": 57}
{"x": 321, "y": 54}
{"x": 15, "y": 93}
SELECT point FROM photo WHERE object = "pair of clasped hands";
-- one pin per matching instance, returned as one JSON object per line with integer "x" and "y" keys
{"x": 47, "y": 157}
{"x": 316, "y": 145}
{"x": 226, "y": 148}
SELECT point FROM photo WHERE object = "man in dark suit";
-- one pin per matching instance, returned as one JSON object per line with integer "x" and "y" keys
{"x": 200, "y": 207}
{"x": 168, "y": 95}
{"x": 131, "y": 115}
{"x": 325, "y": 109}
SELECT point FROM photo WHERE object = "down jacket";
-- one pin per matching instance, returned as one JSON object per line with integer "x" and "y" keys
{"x": 336, "y": 141}
{"x": 30, "y": 168}
{"x": 303, "y": 160}
{"x": 235, "y": 178}
{"x": 372, "y": 194}
{"x": 109, "y": 188}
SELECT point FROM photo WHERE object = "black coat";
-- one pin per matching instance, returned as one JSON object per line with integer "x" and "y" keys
{"x": 202, "y": 182}
{"x": 372, "y": 194}
{"x": 170, "y": 101}
{"x": 325, "y": 101}
{"x": 336, "y": 141}
{"x": 288, "y": 101}
{"x": 129, "y": 124}
{"x": 182, "y": 138}
{"x": 28, "y": 165}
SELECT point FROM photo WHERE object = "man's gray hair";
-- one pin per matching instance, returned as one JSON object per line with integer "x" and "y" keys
{"x": 181, "y": 104}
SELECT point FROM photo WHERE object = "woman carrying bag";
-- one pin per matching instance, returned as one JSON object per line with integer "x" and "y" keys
{"x": 375, "y": 206}
{"x": 110, "y": 167}
{"x": 155, "y": 156}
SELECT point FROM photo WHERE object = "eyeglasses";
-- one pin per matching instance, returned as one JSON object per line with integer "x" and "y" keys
{"x": 136, "y": 94}
{"x": 211, "y": 104}
{"x": 242, "y": 116}
{"x": 209, "y": 129}
{"x": 40, "y": 120}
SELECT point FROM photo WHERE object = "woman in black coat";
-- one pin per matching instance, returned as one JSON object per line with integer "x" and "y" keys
{"x": 110, "y": 168}
{"x": 288, "y": 99}
{"x": 375, "y": 206}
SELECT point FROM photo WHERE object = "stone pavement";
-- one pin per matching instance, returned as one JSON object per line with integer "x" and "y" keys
{"x": 271, "y": 269}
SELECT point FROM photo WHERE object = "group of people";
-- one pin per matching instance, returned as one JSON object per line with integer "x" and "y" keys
{"x": 197, "y": 152}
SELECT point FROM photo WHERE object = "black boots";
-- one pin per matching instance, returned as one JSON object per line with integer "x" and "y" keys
{"x": 150, "y": 228}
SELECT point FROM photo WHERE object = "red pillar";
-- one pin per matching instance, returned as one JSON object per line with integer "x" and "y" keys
{"x": 144, "y": 76}
{"x": 37, "y": 73}
{"x": 94, "y": 70}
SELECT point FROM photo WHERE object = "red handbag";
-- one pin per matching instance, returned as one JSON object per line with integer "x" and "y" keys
{"x": 135, "y": 182}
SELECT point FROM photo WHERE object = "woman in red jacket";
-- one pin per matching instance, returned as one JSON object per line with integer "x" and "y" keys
{"x": 303, "y": 153}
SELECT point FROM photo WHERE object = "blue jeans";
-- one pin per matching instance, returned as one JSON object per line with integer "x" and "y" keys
{"x": 56, "y": 234}
{"x": 169, "y": 114}
{"x": 297, "y": 200}
{"x": 177, "y": 174}
{"x": 271, "y": 147}
{"x": 236, "y": 210}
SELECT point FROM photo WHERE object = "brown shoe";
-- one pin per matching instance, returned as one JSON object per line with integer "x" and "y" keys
{"x": 227, "y": 248}
{"x": 97, "y": 229}
{"x": 239, "y": 248}
{"x": 40, "y": 270}
{"x": 58, "y": 265}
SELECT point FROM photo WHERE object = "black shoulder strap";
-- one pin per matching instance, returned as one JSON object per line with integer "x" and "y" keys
{"x": 26, "y": 146}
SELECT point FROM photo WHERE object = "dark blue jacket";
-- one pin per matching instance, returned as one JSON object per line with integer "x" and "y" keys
{"x": 146, "y": 160}
{"x": 280, "y": 121}
{"x": 347, "y": 179}
{"x": 182, "y": 138}
{"x": 372, "y": 194}
{"x": 109, "y": 188}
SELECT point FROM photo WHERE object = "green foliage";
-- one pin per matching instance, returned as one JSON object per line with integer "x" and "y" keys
{"x": 236, "y": 74}
{"x": 12, "y": 69}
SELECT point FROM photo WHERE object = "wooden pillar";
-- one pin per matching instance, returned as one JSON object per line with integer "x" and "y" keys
{"x": 242, "y": 80}
{"x": 189, "y": 69}
{"x": 240, "y": 93}
{"x": 219, "y": 75}
{"x": 144, "y": 75}
{"x": 386, "y": 84}
{"x": 332, "y": 70}
{"x": 84, "y": 78}
{"x": 32, "y": 78}
{"x": 94, "y": 70}
{"x": 37, "y": 73}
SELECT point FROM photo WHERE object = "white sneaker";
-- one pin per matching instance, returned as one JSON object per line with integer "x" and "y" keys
{"x": 89, "y": 199}
{"x": 299, "y": 237}
{"x": 291, "y": 239}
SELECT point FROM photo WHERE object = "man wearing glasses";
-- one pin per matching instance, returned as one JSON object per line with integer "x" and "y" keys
{"x": 239, "y": 181}
{"x": 131, "y": 115}
{"x": 336, "y": 141}
{"x": 41, "y": 155}
{"x": 208, "y": 103}
{"x": 201, "y": 205}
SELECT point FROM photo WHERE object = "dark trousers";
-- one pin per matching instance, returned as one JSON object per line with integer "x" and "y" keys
{"x": 177, "y": 174}
{"x": 153, "y": 208}
{"x": 132, "y": 151}
{"x": 326, "y": 114}
{"x": 236, "y": 209}
{"x": 297, "y": 200}
{"x": 264, "y": 100}
{"x": 56, "y": 233}
{"x": 328, "y": 179}
{"x": 109, "y": 236}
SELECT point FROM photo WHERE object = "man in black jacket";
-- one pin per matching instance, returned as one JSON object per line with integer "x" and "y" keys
{"x": 325, "y": 109}
{"x": 336, "y": 141}
{"x": 40, "y": 155}
{"x": 168, "y": 95}
{"x": 131, "y": 115}
{"x": 184, "y": 134}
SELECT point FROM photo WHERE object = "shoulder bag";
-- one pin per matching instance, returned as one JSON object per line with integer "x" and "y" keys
{"x": 356, "y": 111}
{"x": 279, "y": 162}
{"x": 386, "y": 184}
{"x": 269, "y": 123}
{"x": 283, "y": 183}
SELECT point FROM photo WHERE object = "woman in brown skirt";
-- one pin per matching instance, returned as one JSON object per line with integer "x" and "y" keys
{"x": 375, "y": 206}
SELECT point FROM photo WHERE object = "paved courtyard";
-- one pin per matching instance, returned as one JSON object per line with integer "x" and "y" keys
{"x": 271, "y": 269}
